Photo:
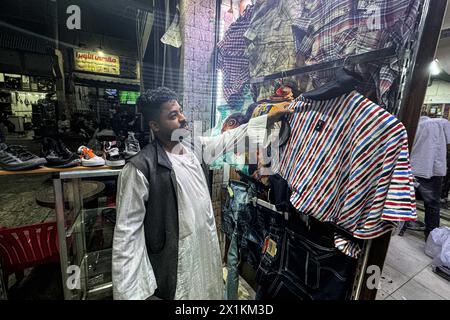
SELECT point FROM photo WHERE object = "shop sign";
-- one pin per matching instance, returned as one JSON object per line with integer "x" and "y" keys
{"x": 92, "y": 61}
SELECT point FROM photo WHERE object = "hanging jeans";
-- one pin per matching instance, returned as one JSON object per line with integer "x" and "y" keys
{"x": 235, "y": 207}
{"x": 261, "y": 223}
{"x": 305, "y": 266}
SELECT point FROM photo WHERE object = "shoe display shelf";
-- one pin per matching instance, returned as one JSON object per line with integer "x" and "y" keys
{"x": 85, "y": 222}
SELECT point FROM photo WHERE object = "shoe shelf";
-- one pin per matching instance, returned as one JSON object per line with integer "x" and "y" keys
{"x": 73, "y": 171}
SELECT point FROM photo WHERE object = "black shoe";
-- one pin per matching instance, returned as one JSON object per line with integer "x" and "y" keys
{"x": 113, "y": 156}
{"x": 57, "y": 155}
{"x": 71, "y": 158}
{"x": 14, "y": 158}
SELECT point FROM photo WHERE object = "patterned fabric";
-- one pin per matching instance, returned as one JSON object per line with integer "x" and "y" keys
{"x": 233, "y": 121}
{"x": 334, "y": 29}
{"x": 347, "y": 162}
{"x": 232, "y": 60}
{"x": 271, "y": 46}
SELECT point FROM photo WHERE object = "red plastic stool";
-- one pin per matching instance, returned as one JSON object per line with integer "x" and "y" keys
{"x": 26, "y": 247}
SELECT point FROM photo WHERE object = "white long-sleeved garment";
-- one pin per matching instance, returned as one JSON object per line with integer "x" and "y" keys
{"x": 199, "y": 273}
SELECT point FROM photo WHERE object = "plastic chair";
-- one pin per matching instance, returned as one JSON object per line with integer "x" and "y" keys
{"x": 27, "y": 246}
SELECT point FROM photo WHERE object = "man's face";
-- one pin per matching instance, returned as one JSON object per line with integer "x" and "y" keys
{"x": 171, "y": 118}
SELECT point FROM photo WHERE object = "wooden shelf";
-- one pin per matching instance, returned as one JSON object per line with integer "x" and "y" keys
{"x": 46, "y": 170}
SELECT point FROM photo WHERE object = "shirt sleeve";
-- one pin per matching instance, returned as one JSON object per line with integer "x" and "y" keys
{"x": 400, "y": 201}
{"x": 381, "y": 186}
{"x": 132, "y": 273}
{"x": 234, "y": 140}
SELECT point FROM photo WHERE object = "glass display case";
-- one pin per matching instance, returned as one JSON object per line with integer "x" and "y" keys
{"x": 85, "y": 215}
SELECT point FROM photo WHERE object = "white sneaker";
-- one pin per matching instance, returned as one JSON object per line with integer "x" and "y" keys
{"x": 131, "y": 146}
{"x": 89, "y": 158}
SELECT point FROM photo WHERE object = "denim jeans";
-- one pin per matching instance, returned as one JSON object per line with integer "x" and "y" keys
{"x": 232, "y": 285}
{"x": 234, "y": 210}
{"x": 430, "y": 191}
{"x": 306, "y": 267}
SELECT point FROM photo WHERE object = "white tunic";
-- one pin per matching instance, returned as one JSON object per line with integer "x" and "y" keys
{"x": 199, "y": 249}
{"x": 199, "y": 273}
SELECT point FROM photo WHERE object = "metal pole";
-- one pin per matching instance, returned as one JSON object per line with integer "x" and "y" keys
{"x": 362, "y": 270}
{"x": 214, "y": 71}
{"x": 80, "y": 235}
{"x": 61, "y": 225}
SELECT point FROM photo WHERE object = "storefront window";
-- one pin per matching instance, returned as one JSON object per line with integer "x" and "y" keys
{"x": 237, "y": 149}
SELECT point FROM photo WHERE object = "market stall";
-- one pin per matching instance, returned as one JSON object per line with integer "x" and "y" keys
{"x": 307, "y": 216}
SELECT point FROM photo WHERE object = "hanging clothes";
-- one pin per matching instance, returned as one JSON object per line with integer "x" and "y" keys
{"x": 271, "y": 46}
{"x": 335, "y": 29}
{"x": 232, "y": 60}
{"x": 347, "y": 162}
{"x": 172, "y": 36}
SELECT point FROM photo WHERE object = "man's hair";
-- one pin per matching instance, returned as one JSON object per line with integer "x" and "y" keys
{"x": 150, "y": 102}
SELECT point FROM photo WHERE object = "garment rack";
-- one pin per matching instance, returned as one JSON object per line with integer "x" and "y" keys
{"x": 328, "y": 225}
{"x": 272, "y": 207}
{"x": 376, "y": 55}
{"x": 358, "y": 282}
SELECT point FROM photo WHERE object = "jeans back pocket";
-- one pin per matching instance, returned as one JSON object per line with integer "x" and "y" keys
{"x": 304, "y": 259}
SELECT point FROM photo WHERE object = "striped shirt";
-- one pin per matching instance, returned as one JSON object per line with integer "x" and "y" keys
{"x": 347, "y": 162}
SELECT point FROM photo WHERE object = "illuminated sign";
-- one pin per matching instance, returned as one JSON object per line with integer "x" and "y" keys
{"x": 97, "y": 62}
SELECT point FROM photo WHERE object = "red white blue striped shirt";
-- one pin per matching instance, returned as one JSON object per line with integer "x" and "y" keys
{"x": 347, "y": 162}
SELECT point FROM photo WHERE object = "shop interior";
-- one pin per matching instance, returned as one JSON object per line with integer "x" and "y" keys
{"x": 75, "y": 123}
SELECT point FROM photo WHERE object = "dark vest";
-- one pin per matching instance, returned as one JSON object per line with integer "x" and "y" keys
{"x": 161, "y": 218}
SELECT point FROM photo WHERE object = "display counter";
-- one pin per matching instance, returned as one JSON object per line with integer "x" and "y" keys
{"x": 85, "y": 221}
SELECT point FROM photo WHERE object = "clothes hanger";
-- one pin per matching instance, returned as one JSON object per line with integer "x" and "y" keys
{"x": 345, "y": 82}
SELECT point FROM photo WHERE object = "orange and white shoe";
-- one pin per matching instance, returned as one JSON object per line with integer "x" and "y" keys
{"x": 89, "y": 158}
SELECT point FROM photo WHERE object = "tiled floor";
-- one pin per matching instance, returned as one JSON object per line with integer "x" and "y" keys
{"x": 407, "y": 273}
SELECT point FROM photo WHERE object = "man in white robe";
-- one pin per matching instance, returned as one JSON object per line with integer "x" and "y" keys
{"x": 199, "y": 271}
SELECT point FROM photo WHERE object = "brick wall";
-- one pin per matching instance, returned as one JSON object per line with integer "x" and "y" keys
{"x": 198, "y": 23}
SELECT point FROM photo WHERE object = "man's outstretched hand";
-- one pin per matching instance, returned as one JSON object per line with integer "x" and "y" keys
{"x": 277, "y": 115}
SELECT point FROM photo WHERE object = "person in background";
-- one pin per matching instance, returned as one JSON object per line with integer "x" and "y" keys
{"x": 429, "y": 165}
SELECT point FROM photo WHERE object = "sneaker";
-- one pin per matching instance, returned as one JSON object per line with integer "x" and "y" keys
{"x": 89, "y": 159}
{"x": 14, "y": 158}
{"x": 57, "y": 155}
{"x": 132, "y": 146}
{"x": 112, "y": 155}
{"x": 96, "y": 146}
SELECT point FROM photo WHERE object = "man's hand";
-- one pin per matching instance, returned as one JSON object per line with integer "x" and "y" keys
{"x": 277, "y": 115}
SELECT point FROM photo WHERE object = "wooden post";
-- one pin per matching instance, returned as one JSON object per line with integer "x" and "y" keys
{"x": 416, "y": 90}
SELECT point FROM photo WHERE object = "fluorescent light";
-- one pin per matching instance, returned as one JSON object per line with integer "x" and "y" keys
{"x": 435, "y": 69}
